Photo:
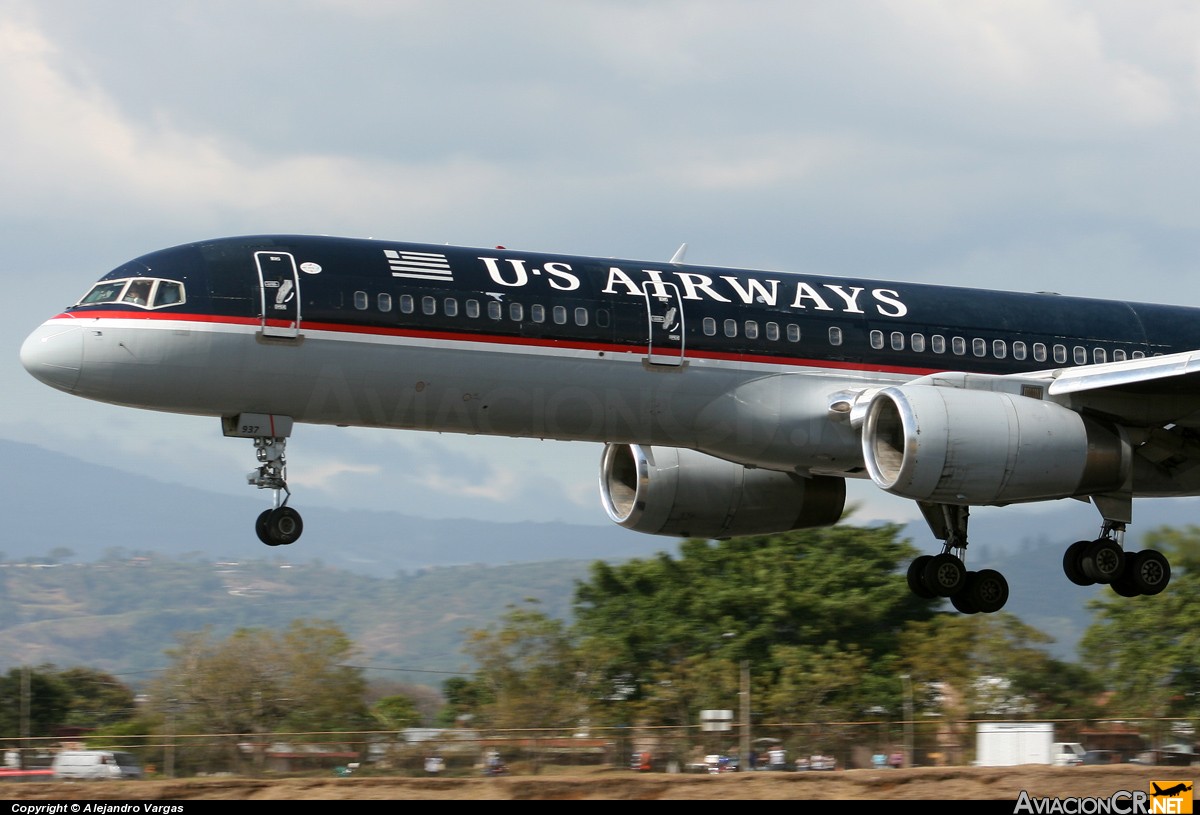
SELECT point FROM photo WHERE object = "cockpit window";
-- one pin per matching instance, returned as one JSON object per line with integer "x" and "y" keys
{"x": 146, "y": 292}
{"x": 103, "y": 293}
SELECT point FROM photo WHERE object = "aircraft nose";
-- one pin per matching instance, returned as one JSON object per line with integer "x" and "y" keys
{"x": 53, "y": 353}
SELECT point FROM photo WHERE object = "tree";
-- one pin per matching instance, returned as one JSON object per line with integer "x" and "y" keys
{"x": 95, "y": 699}
{"x": 258, "y": 682}
{"x": 465, "y": 699}
{"x": 32, "y": 703}
{"x": 395, "y": 712}
{"x": 783, "y": 603}
{"x": 989, "y": 666}
{"x": 530, "y": 671}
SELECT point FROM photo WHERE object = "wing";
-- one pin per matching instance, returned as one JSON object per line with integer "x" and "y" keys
{"x": 1154, "y": 391}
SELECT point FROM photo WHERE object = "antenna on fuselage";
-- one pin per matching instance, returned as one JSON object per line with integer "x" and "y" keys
{"x": 677, "y": 258}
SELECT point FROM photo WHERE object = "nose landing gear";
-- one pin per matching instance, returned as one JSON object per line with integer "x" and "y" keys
{"x": 281, "y": 524}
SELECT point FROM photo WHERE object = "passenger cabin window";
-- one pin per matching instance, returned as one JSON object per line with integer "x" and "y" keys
{"x": 1039, "y": 352}
{"x": 1019, "y": 350}
{"x": 751, "y": 330}
{"x": 999, "y": 349}
{"x": 897, "y": 341}
{"x": 979, "y": 347}
{"x": 384, "y": 302}
{"x": 1119, "y": 355}
{"x": 731, "y": 328}
{"x": 450, "y": 307}
{"x": 428, "y": 305}
{"x": 581, "y": 316}
{"x": 1060, "y": 354}
{"x": 709, "y": 326}
{"x": 406, "y": 303}
{"x": 1099, "y": 356}
{"x": 793, "y": 332}
{"x": 495, "y": 310}
{"x": 473, "y": 309}
{"x": 537, "y": 313}
{"x": 918, "y": 342}
{"x": 938, "y": 343}
{"x": 560, "y": 315}
{"x": 516, "y": 312}
{"x": 1080, "y": 354}
{"x": 877, "y": 340}
{"x": 835, "y": 335}
{"x": 361, "y": 301}
{"x": 145, "y": 292}
{"x": 773, "y": 332}
{"x": 958, "y": 345}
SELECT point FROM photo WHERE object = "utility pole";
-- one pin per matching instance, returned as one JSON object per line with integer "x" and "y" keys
{"x": 908, "y": 720}
{"x": 26, "y": 704}
{"x": 745, "y": 694}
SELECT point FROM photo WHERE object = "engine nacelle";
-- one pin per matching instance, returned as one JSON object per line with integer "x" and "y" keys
{"x": 683, "y": 493}
{"x": 981, "y": 447}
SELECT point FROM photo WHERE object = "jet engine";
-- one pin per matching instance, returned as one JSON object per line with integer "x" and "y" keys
{"x": 982, "y": 447}
{"x": 684, "y": 493}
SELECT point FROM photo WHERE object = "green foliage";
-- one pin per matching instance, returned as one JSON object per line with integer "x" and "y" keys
{"x": 981, "y": 665}
{"x": 464, "y": 697}
{"x": 259, "y": 681}
{"x": 530, "y": 669}
{"x": 396, "y": 713}
{"x": 96, "y": 699}
{"x": 785, "y": 603}
{"x": 47, "y": 698}
{"x": 32, "y": 703}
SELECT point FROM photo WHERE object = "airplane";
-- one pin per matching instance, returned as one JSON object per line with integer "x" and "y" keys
{"x": 1170, "y": 791}
{"x": 729, "y": 401}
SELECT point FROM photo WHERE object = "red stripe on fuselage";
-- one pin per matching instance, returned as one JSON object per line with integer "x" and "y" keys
{"x": 499, "y": 339}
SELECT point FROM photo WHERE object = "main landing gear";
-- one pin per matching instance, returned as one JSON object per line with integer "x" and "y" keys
{"x": 946, "y": 575}
{"x": 1086, "y": 563}
{"x": 1104, "y": 561}
{"x": 281, "y": 524}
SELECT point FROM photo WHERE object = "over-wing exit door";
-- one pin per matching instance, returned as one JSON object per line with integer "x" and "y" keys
{"x": 279, "y": 283}
{"x": 664, "y": 309}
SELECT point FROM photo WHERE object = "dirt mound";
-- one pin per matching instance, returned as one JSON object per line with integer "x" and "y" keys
{"x": 924, "y": 783}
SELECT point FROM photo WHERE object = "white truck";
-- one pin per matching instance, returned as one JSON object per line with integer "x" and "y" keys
{"x": 1007, "y": 744}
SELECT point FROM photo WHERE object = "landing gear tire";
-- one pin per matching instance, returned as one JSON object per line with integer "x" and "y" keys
{"x": 279, "y": 527}
{"x": 1073, "y": 566}
{"x": 986, "y": 590}
{"x": 1123, "y": 585}
{"x": 916, "y": 579}
{"x": 963, "y": 602}
{"x": 1103, "y": 560}
{"x": 944, "y": 575}
{"x": 1148, "y": 572}
{"x": 262, "y": 528}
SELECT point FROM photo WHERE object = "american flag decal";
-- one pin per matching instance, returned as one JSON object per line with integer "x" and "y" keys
{"x": 421, "y": 265}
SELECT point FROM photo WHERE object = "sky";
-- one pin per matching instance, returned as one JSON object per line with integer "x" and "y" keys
{"x": 1017, "y": 145}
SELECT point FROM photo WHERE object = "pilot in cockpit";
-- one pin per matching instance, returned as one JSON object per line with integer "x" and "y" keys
{"x": 138, "y": 293}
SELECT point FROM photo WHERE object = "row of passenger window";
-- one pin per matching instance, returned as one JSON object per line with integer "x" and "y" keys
{"x": 1038, "y": 351}
{"x": 897, "y": 340}
{"x": 472, "y": 308}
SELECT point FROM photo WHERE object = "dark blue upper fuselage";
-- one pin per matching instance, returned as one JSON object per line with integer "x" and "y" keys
{"x": 505, "y": 295}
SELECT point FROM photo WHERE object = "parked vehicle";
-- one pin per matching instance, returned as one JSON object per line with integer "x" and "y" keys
{"x": 89, "y": 765}
{"x": 1068, "y": 753}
